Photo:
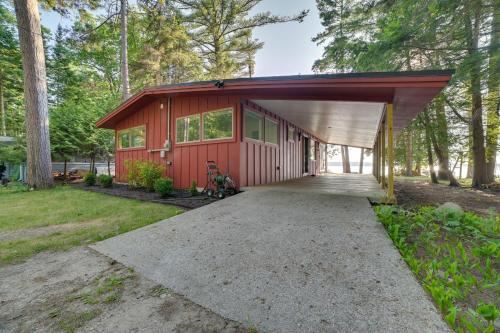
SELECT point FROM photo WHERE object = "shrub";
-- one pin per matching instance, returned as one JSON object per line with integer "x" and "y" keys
{"x": 143, "y": 173}
{"x": 193, "y": 190}
{"x": 105, "y": 180}
{"x": 133, "y": 178}
{"x": 90, "y": 179}
{"x": 164, "y": 187}
{"x": 149, "y": 173}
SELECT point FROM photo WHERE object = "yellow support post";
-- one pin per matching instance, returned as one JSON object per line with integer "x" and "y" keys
{"x": 383, "y": 182}
{"x": 390, "y": 152}
{"x": 378, "y": 157}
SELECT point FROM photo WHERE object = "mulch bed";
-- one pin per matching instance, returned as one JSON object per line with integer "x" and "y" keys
{"x": 181, "y": 198}
{"x": 416, "y": 193}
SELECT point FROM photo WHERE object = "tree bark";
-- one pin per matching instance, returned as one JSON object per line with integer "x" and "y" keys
{"x": 443, "y": 163}
{"x": 409, "y": 154}
{"x": 345, "y": 159}
{"x": 361, "y": 158}
{"x": 440, "y": 140}
{"x": 65, "y": 172}
{"x": 428, "y": 147}
{"x": 479, "y": 176}
{"x": 492, "y": 102}
{"x": 39, "y": 164}
{"x": 124, "y": 51}
{"x": 2, "y": 108}
{"x": 461, "y": 165}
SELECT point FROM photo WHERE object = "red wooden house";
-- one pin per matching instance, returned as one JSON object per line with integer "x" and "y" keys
{"x": 264, "y": 130}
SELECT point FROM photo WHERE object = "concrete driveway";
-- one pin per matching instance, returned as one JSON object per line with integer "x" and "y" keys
{"x": 292, "y": 257}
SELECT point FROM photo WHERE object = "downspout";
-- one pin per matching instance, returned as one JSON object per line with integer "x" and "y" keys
{"x": 168, "y": 143}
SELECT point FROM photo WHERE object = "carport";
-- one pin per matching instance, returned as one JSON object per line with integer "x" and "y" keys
{"x": 365, "y": 110}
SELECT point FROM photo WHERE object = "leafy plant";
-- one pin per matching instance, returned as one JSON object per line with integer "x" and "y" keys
{"x": 90, "y": 179}
{"x": 164, "y": 187}
{"x": 133, "y": 177}
{"x": 105, "y": 180}
{"x": 193, "y": 189}
{"x": 149, "y": 172}
{"x": 143, "y": 173}
{"x": 14, "y": 187}
{"x": 454, "y": 256}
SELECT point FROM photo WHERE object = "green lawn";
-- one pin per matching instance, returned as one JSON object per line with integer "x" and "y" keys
{"x": 88, "y": 217}
{"x": 456, "y": 258}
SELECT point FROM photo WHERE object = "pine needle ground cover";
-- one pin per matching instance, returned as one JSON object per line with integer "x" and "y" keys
{"x": 64, "y": 217}
{"x": 455, "y": 256}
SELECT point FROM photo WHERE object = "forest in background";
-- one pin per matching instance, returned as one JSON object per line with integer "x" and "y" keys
{"x": 112, "y": 49}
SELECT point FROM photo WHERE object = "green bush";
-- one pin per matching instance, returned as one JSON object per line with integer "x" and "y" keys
{"x": 193, "y": 189}
{"x": 133, "y": 178}
{"x": 105, "y": 180}
{"x": 90, "y": 179}
{"x": 143, "y": 173}
{"x": 149, "y": 173}
{"x": 164, "y": 187}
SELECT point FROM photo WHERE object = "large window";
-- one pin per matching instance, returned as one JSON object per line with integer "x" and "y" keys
{"x": 218, "y": 124}
{"x": 254, "y": 126}
{"x": 188, "y": 129}
{"x": 271, "y": 131}
{"x": 132, "y": 137}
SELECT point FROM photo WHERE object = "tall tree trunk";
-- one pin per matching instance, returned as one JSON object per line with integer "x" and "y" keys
{"x": 479, "y": 176}
{"x": 39, "y": 164}
{"x": 440, "y": 140}
{"x": 65, "y": 172}
{"x": 345, "y": 159}
{"x": 409, "y": 154}
{"x": 418, "y": 168}
{"x": 428, "y": 146}
{"x": 124, "y": 51}
{"x": 443, "y": 158}
{"x": 2, "y": 108}
{"x": 492, "y": 103}
{"x": 461, "y": 165}
{"x": 361, "y": 158}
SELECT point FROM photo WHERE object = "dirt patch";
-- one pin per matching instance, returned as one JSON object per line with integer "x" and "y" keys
{"x": 181, "y": 198}
{"x": 416, "y": 193}
{"x": 12, "y": 235}
{"x": 81, "y": 290}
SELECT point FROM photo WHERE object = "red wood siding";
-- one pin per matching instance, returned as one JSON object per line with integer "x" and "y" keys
{"x": 189, "y": 159}
{"x": 263, "y": 163}
{"x": 249, "y": 162}
{"x": 155, "y": 120}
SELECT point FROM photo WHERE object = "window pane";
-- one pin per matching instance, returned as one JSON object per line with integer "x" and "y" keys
{"x": 271, "y": 131}
{"x": 253, "y": 125}
{"x": 188, "y": 129}
{"x": 137, "y": 136}
{"x": 218, "y": 125}
{"x": 291, "y": 133}
{"x": 180, "y": 130}
{"x": 193, "y": 127}
{"x": 123, "y": 139}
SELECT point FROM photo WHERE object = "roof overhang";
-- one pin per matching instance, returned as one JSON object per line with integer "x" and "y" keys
{"x": 408, "y": 91}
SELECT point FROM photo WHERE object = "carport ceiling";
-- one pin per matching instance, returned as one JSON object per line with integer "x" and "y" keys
{"x": 344, "y": 123}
